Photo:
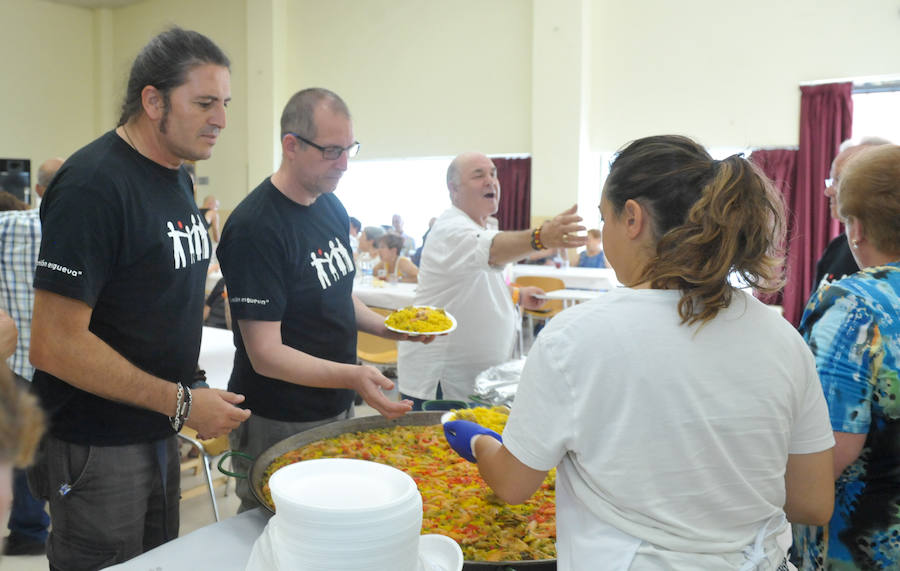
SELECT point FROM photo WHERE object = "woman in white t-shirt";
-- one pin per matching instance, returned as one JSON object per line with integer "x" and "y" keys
{"x": 685, "y": 418}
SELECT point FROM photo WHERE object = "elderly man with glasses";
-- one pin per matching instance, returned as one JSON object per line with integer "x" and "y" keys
{"x": 837, "y": 261}
{"x": 286, "y": 256}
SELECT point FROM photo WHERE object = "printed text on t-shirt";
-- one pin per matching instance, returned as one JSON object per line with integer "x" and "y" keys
{"x": 58, "y": 268}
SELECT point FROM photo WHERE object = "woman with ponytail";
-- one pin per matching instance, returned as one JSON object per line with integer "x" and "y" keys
{"x": 685, "y": 418}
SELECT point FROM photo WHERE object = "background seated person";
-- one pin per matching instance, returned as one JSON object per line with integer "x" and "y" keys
{"x": 394, "y": 267}
{"x": 214, "y": 308}
{"x": 592, "y": 256}
{"x": 549, "y": 257}
{"x": 355, "y": 229}
{"x": 368, "y": 243}
{"x": 210, "y": 212}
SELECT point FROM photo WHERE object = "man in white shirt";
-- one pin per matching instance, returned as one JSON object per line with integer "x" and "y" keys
{"x": 462, "y": 271}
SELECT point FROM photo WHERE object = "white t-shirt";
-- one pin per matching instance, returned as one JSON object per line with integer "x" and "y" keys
{"x": 454, "y": 274}
{"x": 676, "y": 435}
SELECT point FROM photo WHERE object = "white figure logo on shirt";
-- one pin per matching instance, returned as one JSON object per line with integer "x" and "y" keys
{"x": 197, "y": 242}
{"x": 337, "y": 259}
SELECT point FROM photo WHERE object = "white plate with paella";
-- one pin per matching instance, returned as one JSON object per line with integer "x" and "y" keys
{"x": 421, "y": 320}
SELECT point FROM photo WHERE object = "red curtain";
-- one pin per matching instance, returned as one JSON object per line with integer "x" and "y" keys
{"x": 515, "y": 192}
{"x": 780, "y": 165}
{"x": 826, "y": 116}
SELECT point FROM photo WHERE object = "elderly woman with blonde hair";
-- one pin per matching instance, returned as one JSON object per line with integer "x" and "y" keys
{"x": 853, "y": 329}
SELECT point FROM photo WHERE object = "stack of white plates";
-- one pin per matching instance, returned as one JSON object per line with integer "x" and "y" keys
{"x": 341, "y": 514}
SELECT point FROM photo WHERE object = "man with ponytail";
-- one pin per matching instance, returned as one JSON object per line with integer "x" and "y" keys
{"x": 685, "y": 417}
{"x": 118, "y": 310}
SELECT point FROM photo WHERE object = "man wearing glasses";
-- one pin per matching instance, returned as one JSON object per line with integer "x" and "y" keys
{"x": 837, "y": 261}
{"x": 286, "y": 257}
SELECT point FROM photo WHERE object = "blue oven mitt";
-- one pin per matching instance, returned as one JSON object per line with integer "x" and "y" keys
{"x": 461, "y": 433}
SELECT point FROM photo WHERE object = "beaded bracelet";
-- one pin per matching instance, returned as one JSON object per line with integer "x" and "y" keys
{"x": 182, "y": 407}
{"x": 179, "y": 402}
{"x": 536, "y": 243}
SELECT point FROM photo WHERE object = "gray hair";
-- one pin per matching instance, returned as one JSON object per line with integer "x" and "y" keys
{"x": 373, "y": 233}
{"x": 869, "y": 141}
{"x": 453, "y": 173}
{"x": 298, "y": 114}
{"x": 45, "y": 175}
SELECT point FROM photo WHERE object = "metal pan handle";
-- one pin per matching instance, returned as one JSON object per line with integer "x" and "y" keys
{"x": 229, "y": 454}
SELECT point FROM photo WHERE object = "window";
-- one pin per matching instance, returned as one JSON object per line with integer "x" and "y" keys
{"x": 416, "y": 189}
{"x": 875, "y": 114}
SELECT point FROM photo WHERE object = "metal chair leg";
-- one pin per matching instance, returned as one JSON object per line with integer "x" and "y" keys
{"x": 209, "y": 480}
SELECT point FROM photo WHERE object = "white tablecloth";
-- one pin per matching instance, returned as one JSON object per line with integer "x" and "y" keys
{"x": 571, "y": 296}
{"x": 217, "y": 356}
{"x": 223, "y": 546}
{"x": 388, "y": 296}
{"x": 573, "y": 277}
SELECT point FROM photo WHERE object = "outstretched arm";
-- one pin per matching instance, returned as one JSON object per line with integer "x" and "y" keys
{"x": 558, "y": 232}
{"x": 511, "y": 480}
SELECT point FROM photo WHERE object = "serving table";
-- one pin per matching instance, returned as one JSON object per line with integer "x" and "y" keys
{"x": 573, "y": 277}
{"x": 570, "y": 297}
{"x": 387, "y": 295}
{"x": 223, "y": 546}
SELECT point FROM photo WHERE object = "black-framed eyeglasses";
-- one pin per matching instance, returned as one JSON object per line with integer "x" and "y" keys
{"x": 331, "y": 153}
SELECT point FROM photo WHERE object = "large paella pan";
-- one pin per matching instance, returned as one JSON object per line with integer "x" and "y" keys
{"x": 258, "y": 476}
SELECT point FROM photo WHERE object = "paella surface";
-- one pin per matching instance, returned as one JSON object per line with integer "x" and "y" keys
{"x": 456, "y": 501}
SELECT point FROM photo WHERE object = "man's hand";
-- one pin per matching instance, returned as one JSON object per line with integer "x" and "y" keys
{"x": 213, "y": 412}
{"x": 368, "y": 382}
{"x": 560, "y": 231}
{"x": 8, "y": 336}
{"x": 528, "y": 297}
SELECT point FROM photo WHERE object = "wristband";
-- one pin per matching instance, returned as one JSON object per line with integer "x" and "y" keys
{"x": 515, "y": 295}
{"x": 188, "y": 401}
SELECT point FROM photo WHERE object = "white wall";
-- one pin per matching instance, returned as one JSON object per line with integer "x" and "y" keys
{"x": 422, "y": 78}
{"x": 47, "y": 86}
{"x": 727, "y": 72}
{"x": 224, "y": 22}
{"x": 428, "y": 78}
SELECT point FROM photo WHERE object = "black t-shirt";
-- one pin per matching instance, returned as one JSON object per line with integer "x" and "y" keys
{"x": 836, "y": 262}
{"x": 216, "y": 303}
{"x": 290, "y": 263}
{"x": 203, "y": 212}
{"x": 122, "y": 234}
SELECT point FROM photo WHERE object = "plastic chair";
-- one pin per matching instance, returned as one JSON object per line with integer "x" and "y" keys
{"x": 552, "y": 306}
{"x": 208, "y": 449}
{"x": 375, "y": 350}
